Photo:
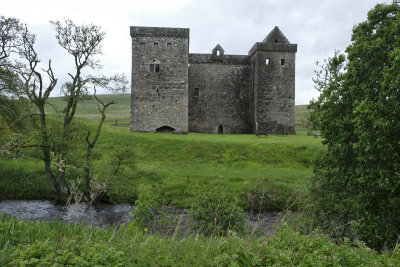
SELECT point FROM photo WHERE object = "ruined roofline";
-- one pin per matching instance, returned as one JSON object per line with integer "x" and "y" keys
{"x": 138, "y": 31}
{"x": 197, "y": 58}
{"x": 273, "y": 47}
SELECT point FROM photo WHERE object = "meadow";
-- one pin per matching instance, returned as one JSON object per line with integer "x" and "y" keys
{"x": 178, "y": 166}
{"x": 172, "y": 170}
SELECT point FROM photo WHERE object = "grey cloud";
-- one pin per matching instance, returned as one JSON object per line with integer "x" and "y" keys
{"x": 318, "y": 27}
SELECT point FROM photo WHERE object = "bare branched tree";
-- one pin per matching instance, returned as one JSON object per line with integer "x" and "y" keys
{"x": 83, "y": 43}
{"x": 91, "y": 143}
{"x": 36, "y": 84}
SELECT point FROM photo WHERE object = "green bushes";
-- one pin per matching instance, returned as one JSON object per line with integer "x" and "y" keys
{"x": 357, "y": 180}
{"x": 216, "y": 212}
{"x": 37, "y": 244}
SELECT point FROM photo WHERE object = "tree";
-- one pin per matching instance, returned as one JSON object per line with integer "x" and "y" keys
{"x": 14, "y": 108}
{"x": 83, "y": 43}
{"x": 357, "y": 181}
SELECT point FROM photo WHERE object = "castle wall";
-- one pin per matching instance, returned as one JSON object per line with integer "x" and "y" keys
{"x": 175, "y": 91}
{"x": 274, "y": 89}
{"x": 219, "y": 91}
{"x": 159, "y": 98}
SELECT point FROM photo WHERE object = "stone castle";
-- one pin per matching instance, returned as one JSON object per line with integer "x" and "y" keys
{"x": 177, "y": 91}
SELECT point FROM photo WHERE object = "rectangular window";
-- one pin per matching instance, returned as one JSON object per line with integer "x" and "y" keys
{"x": 142, "y": 45}
{"x": 282, "y": 61}
{"x": 155, "y": 44}
{"x": 169, "y": 45}
{"x": 267, "y": 61}
{"x": 154, "y": 67}
{"x": 196, "y": 92}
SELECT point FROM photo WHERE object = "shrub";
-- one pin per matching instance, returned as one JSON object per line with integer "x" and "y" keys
{"x": 145, "y": 206}
{"x": 357, "y": 113}
{"x": 216, "y": 212}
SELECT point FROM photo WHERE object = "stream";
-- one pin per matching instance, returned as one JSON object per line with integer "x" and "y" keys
{"x": 169, "y": 220}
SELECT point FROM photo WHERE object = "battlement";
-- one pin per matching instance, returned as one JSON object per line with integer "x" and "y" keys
{"x": 224, "y": 59}
{"x": 137, "y": 31}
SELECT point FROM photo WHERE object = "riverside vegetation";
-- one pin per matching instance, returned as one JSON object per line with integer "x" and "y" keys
{"x": 216, "y": 176}
{"x": 172, "y": 170}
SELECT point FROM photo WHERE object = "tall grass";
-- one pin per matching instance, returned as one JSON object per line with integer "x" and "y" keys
{"x": 36, "y": 244}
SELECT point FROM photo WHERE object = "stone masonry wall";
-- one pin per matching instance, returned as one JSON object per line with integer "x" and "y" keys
{"x": 173, "y": 90}
{"x": 159, "y": 98}
{"x": 274, "y": 91}
{"x": 219, "y": 94}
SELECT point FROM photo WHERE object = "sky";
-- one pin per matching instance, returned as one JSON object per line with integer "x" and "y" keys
{"x": 318, "y": 27}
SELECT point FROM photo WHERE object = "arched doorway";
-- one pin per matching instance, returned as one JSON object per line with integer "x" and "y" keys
{"x": 165, "y": 129}
{"x": 220, "y": 129}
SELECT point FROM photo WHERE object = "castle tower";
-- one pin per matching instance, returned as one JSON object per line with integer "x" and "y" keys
{"x": 273, "y": 84}
{"x": 159, "y": 79}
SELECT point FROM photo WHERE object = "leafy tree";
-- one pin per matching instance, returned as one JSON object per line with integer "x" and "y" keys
{"x": 357, "y": 181}
{"x": 14, "y": 108}
{"x": 27, "y": 80}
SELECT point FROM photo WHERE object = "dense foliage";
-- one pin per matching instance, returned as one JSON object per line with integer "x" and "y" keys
{"x": 357, "y": 181}
{"x": 216, "y": 212}
{"x": 54, "y": 244}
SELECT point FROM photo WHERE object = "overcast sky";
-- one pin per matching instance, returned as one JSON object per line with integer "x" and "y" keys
{"x": 318, "y": 27}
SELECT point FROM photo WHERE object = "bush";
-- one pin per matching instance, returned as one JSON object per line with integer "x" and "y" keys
{"x": 145, "y": 206}
{"x": 216, "y": 212}
{"x": 357, "y": 180}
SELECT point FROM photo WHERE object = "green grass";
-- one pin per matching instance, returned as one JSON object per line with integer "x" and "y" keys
{"x": 236, "y": 162}
{"x": 300, "y": 118}
{"x": 23, "y": 180}
{"x": 176, "y": 166}
{"x": 87, "y": 110}
{"x": 59, "y": 244}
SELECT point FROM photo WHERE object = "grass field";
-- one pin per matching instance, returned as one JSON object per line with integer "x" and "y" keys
{"x": 176, "y": 166}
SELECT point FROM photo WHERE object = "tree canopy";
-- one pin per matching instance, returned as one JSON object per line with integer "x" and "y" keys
{"x": 357, "y": 181}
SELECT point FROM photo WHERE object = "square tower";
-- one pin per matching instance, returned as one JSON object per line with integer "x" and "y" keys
{"x": 159, "y": 79}
{"x": 273, "y": 84}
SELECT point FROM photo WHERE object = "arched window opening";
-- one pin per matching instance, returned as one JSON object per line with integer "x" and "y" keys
{"x": 165, "y": 129}
{"x": 154, "y": 65}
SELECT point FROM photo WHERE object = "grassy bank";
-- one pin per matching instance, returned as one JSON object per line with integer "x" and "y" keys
{"x": 177, "y": 166}
{"x": 37, "y": 244}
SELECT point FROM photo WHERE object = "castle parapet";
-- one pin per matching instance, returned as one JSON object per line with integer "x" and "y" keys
{"x": 227, "y": 59}
{"x": 137, "y": 31}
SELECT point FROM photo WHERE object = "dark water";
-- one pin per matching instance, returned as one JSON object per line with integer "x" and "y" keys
{"x": 46, "y": 210}
{"x": 103, "y": 215}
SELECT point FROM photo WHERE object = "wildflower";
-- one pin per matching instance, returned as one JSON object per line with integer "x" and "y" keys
{"x": 145, "y": 229}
